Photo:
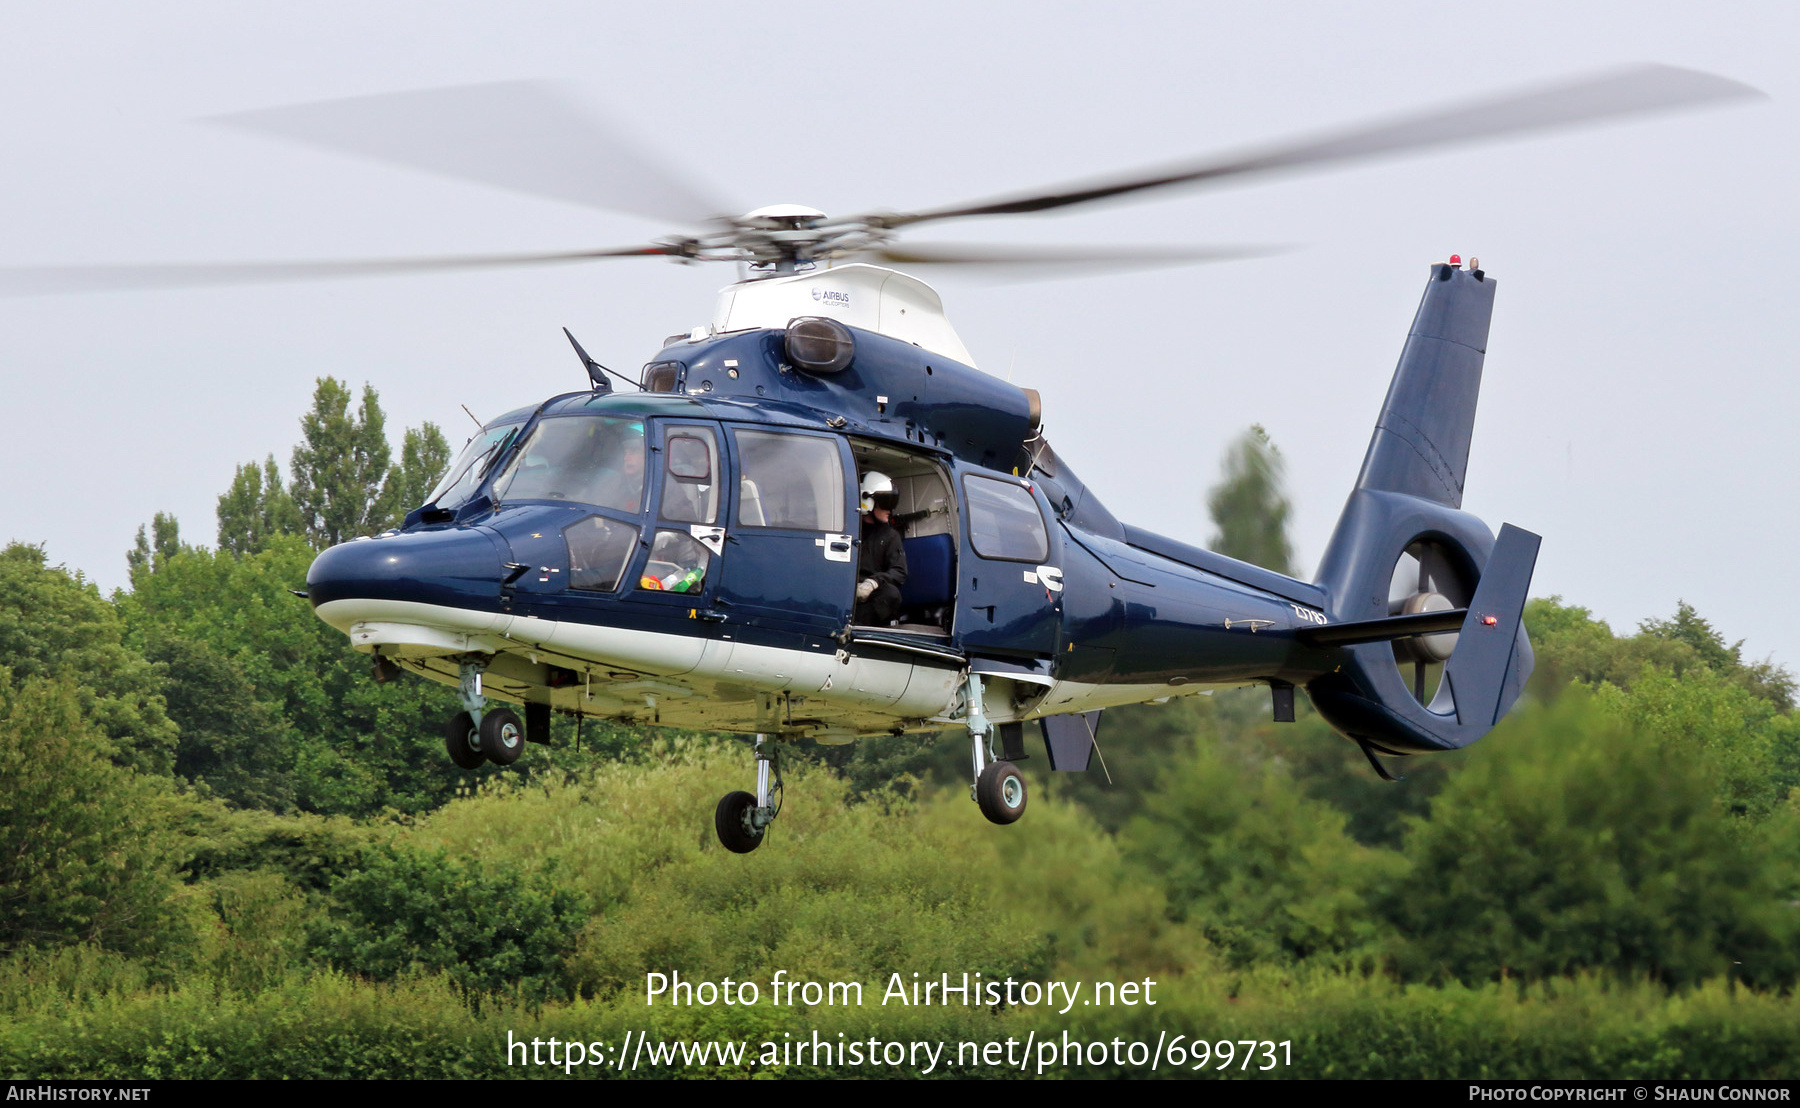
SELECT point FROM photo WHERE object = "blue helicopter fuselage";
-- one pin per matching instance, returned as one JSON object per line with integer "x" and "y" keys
{"x": 1015, "y": 569}
{"x": 690, "y": 554}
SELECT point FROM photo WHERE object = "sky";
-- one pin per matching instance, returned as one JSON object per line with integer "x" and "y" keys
{"x": 1639, "y": 397}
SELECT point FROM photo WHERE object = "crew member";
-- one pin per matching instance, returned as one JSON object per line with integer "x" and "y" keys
{"x": 881, "y": 567}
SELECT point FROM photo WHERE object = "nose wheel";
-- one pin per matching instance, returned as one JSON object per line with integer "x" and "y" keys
{"x": 462, "y": 738}
{"x": 742, "y": 818}
{"x": 477, "y": 734}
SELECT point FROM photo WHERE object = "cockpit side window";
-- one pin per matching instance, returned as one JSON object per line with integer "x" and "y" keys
{"x": 690, "y": 492}
{"x": 585, "y": 459}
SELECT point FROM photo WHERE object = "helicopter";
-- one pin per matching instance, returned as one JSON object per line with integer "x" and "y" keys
{"x": 691, "y": 553}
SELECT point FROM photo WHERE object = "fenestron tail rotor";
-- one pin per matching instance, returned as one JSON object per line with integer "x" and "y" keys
{"x": 538, "y": 139}
{"x": 1426, "y": 578}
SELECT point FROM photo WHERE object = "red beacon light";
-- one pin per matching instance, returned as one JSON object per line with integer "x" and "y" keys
{"x": 1489, "y": 620}
{"x": 1456, "y": 259}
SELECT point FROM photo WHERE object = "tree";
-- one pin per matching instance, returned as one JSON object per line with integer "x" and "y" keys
{"x": 231, "y": 743}
{"x": 82, "y": 858}
{"x": 340, "y": 470}
{"x": 424, "y": 455}
{"x": 1766, "y": 679}
{"x": 254, "y": 508}
{"x": 1249, "y": 505}
{"x": 147, "y": 554}
{"x": 55, "y": 625}
{"x": 1262, "y": 870}
{"x": 1570, "y": 843}
{"x": 346, "y": 745}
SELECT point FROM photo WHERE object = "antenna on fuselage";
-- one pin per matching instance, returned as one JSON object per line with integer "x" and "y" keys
{"x": 595, "y": 369}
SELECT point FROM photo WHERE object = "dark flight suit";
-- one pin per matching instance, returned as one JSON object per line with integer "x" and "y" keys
{"x": 884, "y": 559}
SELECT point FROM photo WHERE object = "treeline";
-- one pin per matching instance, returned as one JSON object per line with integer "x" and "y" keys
{"x": 225, "y": 851}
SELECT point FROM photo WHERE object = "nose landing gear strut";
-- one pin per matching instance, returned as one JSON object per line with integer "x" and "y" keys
{"x": 479, "y": 734}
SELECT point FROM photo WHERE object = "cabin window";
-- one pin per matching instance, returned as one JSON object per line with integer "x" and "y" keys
{"x": 690, "y": 491}
{"x": 586, "y": 459}
{"x": 1004, "y": 522}
{"x": 598, "y": 550}
{"x": 677, "y": 563}
{"x": 790, "y": 481}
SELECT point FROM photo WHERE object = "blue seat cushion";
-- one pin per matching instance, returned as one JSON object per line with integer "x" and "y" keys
{"x": 930, "y": 571}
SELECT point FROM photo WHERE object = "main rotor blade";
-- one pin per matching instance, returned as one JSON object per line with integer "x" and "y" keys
{"x": 1635, "y": 90}
{"x": 1062, "y": 257}
{"x": 52, "y": 279}
{"x": 525, "y": 136}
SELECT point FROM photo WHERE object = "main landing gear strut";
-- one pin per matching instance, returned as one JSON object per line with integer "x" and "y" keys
{"x": 742, "y": 818}
{"x": 478, "y": 733}
{"x": 999, "y": 788}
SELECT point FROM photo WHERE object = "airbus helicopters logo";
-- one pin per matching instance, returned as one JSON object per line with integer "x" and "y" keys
{"x": 832, "y": 296}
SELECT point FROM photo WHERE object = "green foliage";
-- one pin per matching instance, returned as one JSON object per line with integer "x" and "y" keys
{"x": 424, "y": 455}
{"x": 1249, "y": 505}
{"x": 837, "y": 892}
{"x": 307, "y": 851}
{"x": 255, "y": 508}
{"x": 1705, "y": 718}
{"x": 1138, "y": 742}
{"x": 55, "y": 625}
{"x": 345, "y": 745}
{"x": 341, "y": 466}
{"x": 1328, "y": 768}
{"x": 1572, "y": 843}
{"x": 1264, "y": 871}
{"x": 231, "y": 743}
{"x": 82, "y": 856}
{"x": 149, "y": 553}
{"x": 1765, "y": 679}
{"x": 263, "y": 922}
{"x": 488, "y": 931}
{"x": 1573, "y": 646}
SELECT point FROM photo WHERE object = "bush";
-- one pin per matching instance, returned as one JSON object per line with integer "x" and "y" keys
{"x": 489, "y": 933}
{"x": 1570, "y": 842}
{"x": 84, "y": 857}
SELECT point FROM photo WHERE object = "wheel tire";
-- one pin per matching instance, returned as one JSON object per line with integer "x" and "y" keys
{"x": 732, "y": 821}
{"x": 463, "y": 741}
{"x": 1001, "y": 792}
{"x": 502, "y": 736}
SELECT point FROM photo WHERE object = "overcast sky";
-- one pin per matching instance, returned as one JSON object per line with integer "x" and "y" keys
{"x": 1639, "y": 400}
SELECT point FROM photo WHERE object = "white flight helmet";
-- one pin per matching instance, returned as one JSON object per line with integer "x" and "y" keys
{"x": 878, "y": 491}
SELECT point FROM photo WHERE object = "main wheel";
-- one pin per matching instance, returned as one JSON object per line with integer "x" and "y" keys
{"x": 732, "y": 821}
{"x": 463, "y": 741}
{"x": 1001, "y": 792}
{"x": 502, "y": 736}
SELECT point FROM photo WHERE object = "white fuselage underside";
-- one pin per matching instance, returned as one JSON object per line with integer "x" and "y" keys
{"x": 708, "y": 683}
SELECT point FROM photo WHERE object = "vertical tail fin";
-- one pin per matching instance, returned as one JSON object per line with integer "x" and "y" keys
{"x": 1421, "y": 442}
{"x": 1404, "y": 544}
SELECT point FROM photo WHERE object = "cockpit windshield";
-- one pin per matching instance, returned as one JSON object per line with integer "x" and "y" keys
{"x": 587, "y": 459}
{"x": 465, "y": 474}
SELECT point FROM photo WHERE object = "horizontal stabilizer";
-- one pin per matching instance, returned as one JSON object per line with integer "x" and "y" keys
{"x": 1384, "y": 630}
